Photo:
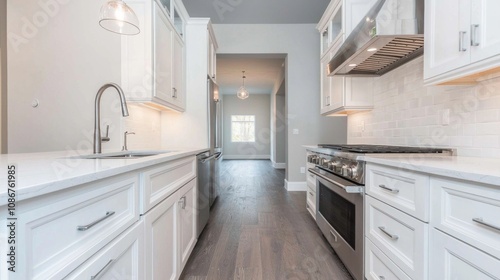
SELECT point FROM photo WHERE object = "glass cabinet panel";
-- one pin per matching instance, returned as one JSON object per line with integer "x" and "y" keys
{"x": 179, "y": 23}
{"x": 166, "y": 5}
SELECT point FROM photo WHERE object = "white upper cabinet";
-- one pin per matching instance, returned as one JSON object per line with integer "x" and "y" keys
{"x": 212, "y": 55}
{"x": 462, "y": 42}
{"x": 153, "y": 61}
{"x": 342, "y": 95}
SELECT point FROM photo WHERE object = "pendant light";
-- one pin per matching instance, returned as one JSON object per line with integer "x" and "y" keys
{"x": 118, "y": 17}
{"x": 242, "y": 92}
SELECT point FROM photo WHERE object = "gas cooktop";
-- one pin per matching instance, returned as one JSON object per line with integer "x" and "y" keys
{"x": 382, "y": 149}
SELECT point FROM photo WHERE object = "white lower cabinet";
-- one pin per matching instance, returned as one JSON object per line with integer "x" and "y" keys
{"x": 121, "y": 259}
{"x": 379, "y": 267}
{"x": 452, "y": 259}
{"x": 170, "y": 233}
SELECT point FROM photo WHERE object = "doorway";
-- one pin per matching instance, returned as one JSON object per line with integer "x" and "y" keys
{"x": 254, "y": 127}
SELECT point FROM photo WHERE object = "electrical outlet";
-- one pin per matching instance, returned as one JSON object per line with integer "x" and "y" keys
{"x": 362, "y": 126}
{"x": 302, "y": 170}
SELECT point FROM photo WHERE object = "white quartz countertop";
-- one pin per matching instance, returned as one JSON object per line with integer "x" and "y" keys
{"x": 42, "y": 173}
{"x": 482, "y": 170}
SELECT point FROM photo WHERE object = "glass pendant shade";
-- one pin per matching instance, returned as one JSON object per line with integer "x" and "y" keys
{"x": 242, "y": 91}
{"x": 119, "y": 18}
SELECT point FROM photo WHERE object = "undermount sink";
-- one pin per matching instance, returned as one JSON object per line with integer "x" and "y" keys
{"x": 124, "y": 155}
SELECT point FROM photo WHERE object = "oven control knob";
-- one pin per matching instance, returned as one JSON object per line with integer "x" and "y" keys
{"x": 346, "y": 171}
{"x": 354, "y": 171}
{"x": 330, "y": 166}
{"x": 337, "y": 167}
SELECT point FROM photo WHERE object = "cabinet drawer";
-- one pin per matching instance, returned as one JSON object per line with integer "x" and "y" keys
{"x": 408, "y": 245}
{"x": 405, "y": 190}
{"x": 60, "y": 236}
{"x": 311, "y": 180}
{"x": 311, "y": 202}
{"x": 121, "y": 259}
{"x": 163, "y": 180}
{"x": 379, "y": 266}
{"x": 468, "y": 211}
{"x": 451, "y": 259}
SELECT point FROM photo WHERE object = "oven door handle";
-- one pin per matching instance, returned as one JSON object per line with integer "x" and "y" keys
{"x": 348, "y": 189}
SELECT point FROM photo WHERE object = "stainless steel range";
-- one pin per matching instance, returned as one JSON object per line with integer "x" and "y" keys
{"x": 340, "y": 180}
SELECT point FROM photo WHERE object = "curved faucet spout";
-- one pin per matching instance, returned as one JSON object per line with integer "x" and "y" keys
{"x": 97, "y": 115}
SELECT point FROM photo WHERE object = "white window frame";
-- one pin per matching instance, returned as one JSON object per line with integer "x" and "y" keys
{"x": 245, "y": 121}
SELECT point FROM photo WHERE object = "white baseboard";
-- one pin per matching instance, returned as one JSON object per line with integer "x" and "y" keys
{"x": 278, "y": 165}
{"x": 295, "y": 186}
{"x": 247, "y": 156}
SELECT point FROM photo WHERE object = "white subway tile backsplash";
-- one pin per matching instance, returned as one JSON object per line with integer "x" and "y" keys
{"x": 408, "y": 113}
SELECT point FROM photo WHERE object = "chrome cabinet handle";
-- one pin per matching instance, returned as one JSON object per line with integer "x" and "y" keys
{"x": 182, "y": 202}
{"x": 473, "y": 35}
{"x": 101, "y": 272}
{"x": 391, "y": 236}
{"x": 334, "y": 235}
{"x": 86, "y": 227}
{"x": 174, "y": 95}
{"x": 482, "y": 222}
{"x": 388, "y": 189}
{"x": 381, "y": 277}
{"x": 461, "y": 37}
{"x": 311, "y": 193}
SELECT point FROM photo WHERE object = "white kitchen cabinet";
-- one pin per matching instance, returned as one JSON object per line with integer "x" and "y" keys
{"x": 468, "y": 211}
{"x": 342, "y": 95}
{"x": 187, "y": 222}
{"x": 212, "y": 55}
{"x": 153, "y": 61}
{"x": 311, "y": 188}
{"x": 160, "y": 228}
{"x": 58, "y": 234}
{"x": 452, "y": 259}
{"x": 121, "y": 259}
{"x": 462, "y": 42}
{"x": 170, "y": 233}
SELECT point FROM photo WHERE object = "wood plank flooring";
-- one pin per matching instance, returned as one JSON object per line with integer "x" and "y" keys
{"x": 258, "y": 230}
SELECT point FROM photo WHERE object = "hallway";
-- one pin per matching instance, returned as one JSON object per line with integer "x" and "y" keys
{"x": 258, "y": 230}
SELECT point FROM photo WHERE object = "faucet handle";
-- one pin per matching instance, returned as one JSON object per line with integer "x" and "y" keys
{"x": 106, "y": 138}
{"x": 124, "y": 148}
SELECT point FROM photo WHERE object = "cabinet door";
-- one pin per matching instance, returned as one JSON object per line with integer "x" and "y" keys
{"x": 163, "y": 56}
{"x": 447, "y": 36}
{"x": 485, "y": 38}
{"x": 187, "y": 221}
{"x": 179, "y": 94}
{"x": 160, "y": 239}
{"x": 451, "y": 259}
{"x": 325, "y": 84}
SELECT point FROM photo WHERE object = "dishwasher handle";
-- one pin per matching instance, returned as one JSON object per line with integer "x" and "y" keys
{"x": 203, "y": 160}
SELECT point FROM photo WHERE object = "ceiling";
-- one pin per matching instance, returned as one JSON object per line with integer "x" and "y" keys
{"x": 258, "y": 11}
{"x": 261, "y": 71}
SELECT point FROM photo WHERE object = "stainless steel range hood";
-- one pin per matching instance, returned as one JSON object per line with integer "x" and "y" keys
{"x": 391, "y": 34}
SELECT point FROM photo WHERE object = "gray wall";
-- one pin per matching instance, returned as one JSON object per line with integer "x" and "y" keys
{"x": 301, "y": 44}
{"x": 280, "y": 129}
{"x": 258, "y": 105}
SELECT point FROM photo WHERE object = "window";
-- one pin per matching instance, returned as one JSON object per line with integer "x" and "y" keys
{"x": 242, "y": 128}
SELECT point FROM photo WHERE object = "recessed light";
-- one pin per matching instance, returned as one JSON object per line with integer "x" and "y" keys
{"x": 352, "y": 65}
{"x": 371, "y": 49}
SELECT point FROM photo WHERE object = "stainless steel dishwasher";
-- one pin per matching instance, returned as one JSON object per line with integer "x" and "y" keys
{"x": 205, "y": 164}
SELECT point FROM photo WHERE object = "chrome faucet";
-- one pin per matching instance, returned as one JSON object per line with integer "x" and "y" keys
{"x": 97, "y": 116}
{"x": 124, "y": 148}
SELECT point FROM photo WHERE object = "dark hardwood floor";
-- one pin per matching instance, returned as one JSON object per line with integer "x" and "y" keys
{"x": 258, "y": 230}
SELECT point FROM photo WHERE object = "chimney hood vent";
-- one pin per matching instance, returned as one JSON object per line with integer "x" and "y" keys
{"x": 390, "y": 35}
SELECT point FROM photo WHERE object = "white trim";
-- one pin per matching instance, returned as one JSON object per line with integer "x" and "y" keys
{"x": 295, "y": 186}
{"x": 247, "y": 156}
{"x": 278, "y": 165}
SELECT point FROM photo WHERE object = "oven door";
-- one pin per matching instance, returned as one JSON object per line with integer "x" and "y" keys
{"x": 340, "y": 218}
